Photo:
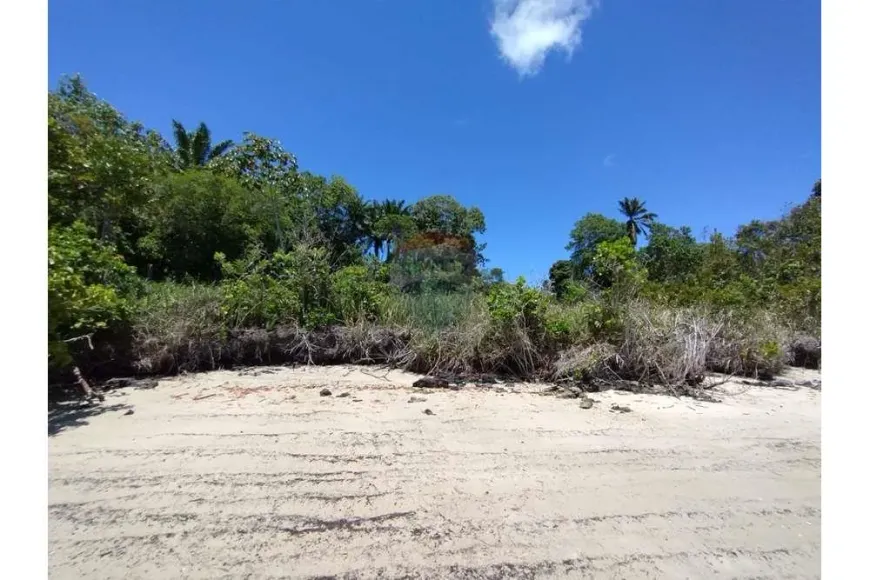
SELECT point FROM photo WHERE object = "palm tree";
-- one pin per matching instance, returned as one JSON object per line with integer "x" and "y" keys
{"x": 381, "y": 223}
{"x": 194, "y": 148}
{"x": 639, "y": 218}
{"x": 372, "y": 214}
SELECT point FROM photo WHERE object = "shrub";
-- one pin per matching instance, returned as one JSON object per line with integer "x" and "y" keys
{"x": 616, "y": 263}
{"x": 356, "y": 295}
{"x": 749, "y": 345}
{"x": 284, "y": 288}
{"x": 516, "y": 303}
{"x": 178, "y": 327}
{"x": 565, "y": 325}
{"x": 89, "y": 289}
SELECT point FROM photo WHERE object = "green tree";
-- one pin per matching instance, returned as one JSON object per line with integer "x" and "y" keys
{"x": 102, "y": 168}
{"x": 260, "y": 163}
{"x": 389, "y": 222}
{"x": 588, "y": 232}
{"x": 561, "y": 274}
{"x": 89, "y": 287}
{"x": 638, "y": 218}
{"x": 330, "y": 213}
{"x": 194, "y": 148}
{"x": 616, "y": 263}
{"x": 442, "y": 213}
{"x": 671, "y": 255}
{"x": 197, "y": 214}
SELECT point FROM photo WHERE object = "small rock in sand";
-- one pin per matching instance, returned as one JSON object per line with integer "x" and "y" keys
{"x": 129, "y": 412}
{"x": 343, "y": 395}
{"x": 428, "y": 411}
{"x": 619, "y": 409}
{"x": 586, "y": 403}
{"x": 325, "y": 392}
{"x": 415, "y": 399}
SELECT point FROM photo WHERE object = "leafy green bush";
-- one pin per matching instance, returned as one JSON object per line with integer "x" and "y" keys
{"x": 198, "y": 214}
{"x": 260, "y": 291}
{"x": 517, "y": 302}
{"x": 565, "y": 325}
{"x": 616, "y": 263}
{"x": 356, "y": 295}
{"x": 89, "y": 288}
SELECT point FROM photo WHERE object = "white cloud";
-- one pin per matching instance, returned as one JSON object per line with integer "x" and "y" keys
{"x": 527, "y": 30}
{"x": 610, "y": 160}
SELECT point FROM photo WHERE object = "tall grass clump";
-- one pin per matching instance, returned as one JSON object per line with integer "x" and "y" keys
{"x": 178, "y": 327}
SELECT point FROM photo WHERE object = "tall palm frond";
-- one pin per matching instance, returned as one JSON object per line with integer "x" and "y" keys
{"x": 639, "y": 221}
{"x": 182, "y": 143}
{"x": 219, "y": 149}
{"x": 194, "y": 148}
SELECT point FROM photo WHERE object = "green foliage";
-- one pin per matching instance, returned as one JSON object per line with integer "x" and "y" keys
{"x": 616, "y": 263}
{"x": 284, "y": 288}
{"x": 561, "y": 274}
{"x": 281, "y": 246}
{"x": 516, "y": 304}
{"x": 259, "y": 163}
{"x": 638, "y": 219}
{"x": 565, "y": 325}
{"x": 672, "y": 255}
{"x": 89, "y": 288}
{"x": 442, "y": 213}
{"x": 194, "y": 148}
{"x": 197, "y": 214}
{"x": 357, "y": 295}
{"x": 101, "y": 167}
{"x": 589, "y": 231}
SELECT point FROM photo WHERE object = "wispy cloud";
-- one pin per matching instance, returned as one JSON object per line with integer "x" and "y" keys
{"x": 527, "y": 30}
{"x": 610, "y": 160}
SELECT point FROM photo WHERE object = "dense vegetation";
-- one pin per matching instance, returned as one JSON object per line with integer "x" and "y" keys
{"x": 165, "y": 257}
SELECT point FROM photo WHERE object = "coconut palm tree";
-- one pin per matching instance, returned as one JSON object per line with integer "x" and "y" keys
{"x": 639, "y": 218}
{"x": 383, "y": 221}
{"x": 194, "y": 148}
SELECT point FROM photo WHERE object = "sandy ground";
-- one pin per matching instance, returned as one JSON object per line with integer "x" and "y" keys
{"x": 253, "y": 474}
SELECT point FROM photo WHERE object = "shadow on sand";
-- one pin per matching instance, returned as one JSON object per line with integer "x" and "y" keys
{"x": 70, "y": 414}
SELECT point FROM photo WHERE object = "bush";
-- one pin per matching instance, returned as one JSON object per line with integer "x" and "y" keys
{"x": 89, "y": 289}
{"x": 516, "y": 303}
{"x": 356, "y": 295}
{"x": 565, "y": 325}
{"x": 178, "y": 327}
{"x": 749, "y": 345}
{"x": 284, "y": 288}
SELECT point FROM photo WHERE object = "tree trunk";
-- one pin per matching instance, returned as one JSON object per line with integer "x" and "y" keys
{"x": 87, "y": 391}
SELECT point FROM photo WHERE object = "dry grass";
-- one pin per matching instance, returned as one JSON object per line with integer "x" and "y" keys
{"x": 749, "y": 346}
{"x": 179, "y": 329}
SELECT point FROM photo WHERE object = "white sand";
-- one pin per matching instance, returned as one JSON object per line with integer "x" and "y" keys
{"x": 229, "y": 475}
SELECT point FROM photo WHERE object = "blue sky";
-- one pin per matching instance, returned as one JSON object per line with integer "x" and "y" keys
{"x": 537, "y": 111}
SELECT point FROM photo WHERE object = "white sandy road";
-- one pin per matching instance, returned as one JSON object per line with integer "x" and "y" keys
{"x": 255, "y": 475}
